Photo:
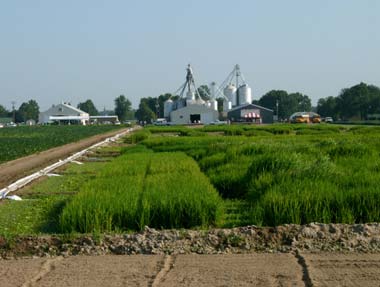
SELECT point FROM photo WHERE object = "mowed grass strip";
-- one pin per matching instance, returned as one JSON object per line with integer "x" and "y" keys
{"x": 163, "y": 190}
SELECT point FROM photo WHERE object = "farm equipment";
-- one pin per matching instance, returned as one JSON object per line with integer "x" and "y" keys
{"x": 305, "y": 117}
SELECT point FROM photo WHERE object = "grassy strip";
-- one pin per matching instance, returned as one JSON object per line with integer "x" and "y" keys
{"x": 160, "y": 190}
{"x": 43, "y": 201}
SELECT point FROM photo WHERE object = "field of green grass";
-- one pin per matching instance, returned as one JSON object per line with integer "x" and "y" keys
{"x": 161, "y": 190}
{"x": 288, "y": 173}
{"x": 43, "y": 201}
{"x": 224, "y": 176}
{"x": 21, "y": 141}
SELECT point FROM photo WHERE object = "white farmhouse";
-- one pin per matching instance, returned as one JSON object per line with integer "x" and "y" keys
{"x": 64, "y": 113}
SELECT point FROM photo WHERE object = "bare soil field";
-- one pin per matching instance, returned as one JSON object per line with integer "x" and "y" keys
{"x": 334, "y": 269}
{"x": 16, "y": 169}
{"x": 258, "y": 269}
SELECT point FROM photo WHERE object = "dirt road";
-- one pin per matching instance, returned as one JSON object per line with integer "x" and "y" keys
{"x": 281, "y": 269}
{"x": 13, "y": 170}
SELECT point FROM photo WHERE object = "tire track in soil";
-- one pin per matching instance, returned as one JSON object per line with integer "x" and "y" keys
{"x": 165, "y": 266}
{"x": 46, "y": 268}
{"x": 305, "y": 271}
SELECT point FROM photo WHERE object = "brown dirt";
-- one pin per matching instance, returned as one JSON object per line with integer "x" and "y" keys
{"x": 16, "y": 169}
{"x": 335, "y": 269}
{"x": 235, "y": 270}
{"x": 330, "y": 269}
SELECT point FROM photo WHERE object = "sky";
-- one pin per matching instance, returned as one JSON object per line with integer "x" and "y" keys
{"x": 73, "y": 50}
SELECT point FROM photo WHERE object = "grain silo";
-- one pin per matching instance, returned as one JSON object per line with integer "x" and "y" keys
{"x": 168, "y": 108}
{"x": 244, "y": 94}
{"x": 190, "y": 108}
{"x": 230, "y": 93}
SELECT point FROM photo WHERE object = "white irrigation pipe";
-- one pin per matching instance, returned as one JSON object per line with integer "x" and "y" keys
{"x": 47, "y": 170}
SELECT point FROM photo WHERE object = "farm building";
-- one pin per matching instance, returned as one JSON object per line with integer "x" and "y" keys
{"x": 250, "y": 113}
{"x": 104, "y": 119}
{"x": 64, "y": 113}
{"x": 234, "y": 91}
{"x": 5, "y": 121}
{"x": 190, "y": 108}
{"x": 194, "y": 113}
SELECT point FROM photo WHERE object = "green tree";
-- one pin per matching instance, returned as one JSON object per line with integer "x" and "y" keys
{"x": 303, "y": 102}
{"x": 161, "y": 103}
{"x": 151, "y": 102}
{"x": 374, "y": 100}
{"x": 348, "y": 104}
{"x": 326, "y": 107}
{"x": 220, "y": 104}
{"x": 145, "y": 113}
{"x": 270, "y": 100}
{"x": 358, "y": 101}
{"x": 122, "y": 107}
{"x": 3, "y": 112}
{"x": 204, "y": 92}
{"x": 28, "y": 111}
{"x": 287, "y": 103}
{"x": 88, "y": 107}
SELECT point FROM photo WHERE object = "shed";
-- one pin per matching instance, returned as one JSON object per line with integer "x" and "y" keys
{"x": 251, "y": 113}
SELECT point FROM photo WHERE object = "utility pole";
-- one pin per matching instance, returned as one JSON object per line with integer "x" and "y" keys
{"x": 14, "y": 111}
{"x": 237, "y": 71}
{"x": 278, "y": 119}
{"x": 157, "y": 109}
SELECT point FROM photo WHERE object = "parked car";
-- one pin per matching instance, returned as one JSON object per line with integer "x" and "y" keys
{"x": 11, "y": 124}
{"x": 218, "y": 122}
{"x": 160, "y": 122}
{"x": 329, "y": 120}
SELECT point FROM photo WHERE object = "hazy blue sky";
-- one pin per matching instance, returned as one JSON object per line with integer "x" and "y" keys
{"x": 72, "y": 50}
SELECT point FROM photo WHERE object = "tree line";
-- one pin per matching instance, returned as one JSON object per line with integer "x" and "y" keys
{"x": 30, "y": 110}
{"x": 279, "y": 101}
{"x": 359, "y": 102}
{"x": 27, "y": 111}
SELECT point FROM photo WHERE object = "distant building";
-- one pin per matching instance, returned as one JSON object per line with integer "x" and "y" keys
{"x": 250, "y": 113}
{"x": 30, "y": 122}
{"x": 64, "y": 113}
{"x": 194, "y": 113}
{"x": 104, "y": 120}
{"x": 190, "y": 108}
{"x": 5, "y": 121}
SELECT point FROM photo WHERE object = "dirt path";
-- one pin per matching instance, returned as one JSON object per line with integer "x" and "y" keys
{"x": 13, "y": 170}
{"x": 263, "y": 269}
